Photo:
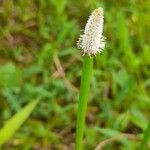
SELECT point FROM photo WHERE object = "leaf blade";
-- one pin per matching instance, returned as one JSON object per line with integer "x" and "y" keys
{"x": 14, "y": 123}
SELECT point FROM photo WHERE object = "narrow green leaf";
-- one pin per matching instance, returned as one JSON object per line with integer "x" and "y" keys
{"x": 108, "y": 132}
{"x": 15, "y": 122}
{"x": 137, "y": 118}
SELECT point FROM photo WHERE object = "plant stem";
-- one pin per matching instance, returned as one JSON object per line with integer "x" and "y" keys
{"x": 83, "y": 99}
{"x": 146, "y": 139}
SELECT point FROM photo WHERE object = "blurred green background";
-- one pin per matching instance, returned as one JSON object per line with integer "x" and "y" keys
{"x": 39, "y": 59}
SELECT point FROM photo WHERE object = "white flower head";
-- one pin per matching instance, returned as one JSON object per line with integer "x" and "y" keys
{"x": 92, "y": 41}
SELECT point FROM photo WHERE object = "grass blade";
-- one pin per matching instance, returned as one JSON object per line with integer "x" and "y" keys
{"x": 15, "y": 122}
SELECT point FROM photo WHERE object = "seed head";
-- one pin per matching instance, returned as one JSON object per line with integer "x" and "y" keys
{"x": 92, "y": 41}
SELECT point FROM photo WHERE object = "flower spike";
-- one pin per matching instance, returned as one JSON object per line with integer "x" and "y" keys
{"x": 92, "y": 41}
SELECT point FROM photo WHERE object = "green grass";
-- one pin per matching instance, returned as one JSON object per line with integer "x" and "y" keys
{"x": 15, "y": 122}
{"x": 39, "y": 58}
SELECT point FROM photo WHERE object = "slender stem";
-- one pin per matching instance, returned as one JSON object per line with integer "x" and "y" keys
{"x": 83, "y": 99}
{"x": 92, "y": 5}
{"x": 146, "y": 139}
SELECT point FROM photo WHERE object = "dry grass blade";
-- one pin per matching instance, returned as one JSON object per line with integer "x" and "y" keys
{"x": 101, "y": 145}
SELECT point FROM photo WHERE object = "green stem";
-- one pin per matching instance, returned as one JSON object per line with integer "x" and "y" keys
{"x": 83, "y": 99}
{"x": 146, "y": 139}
